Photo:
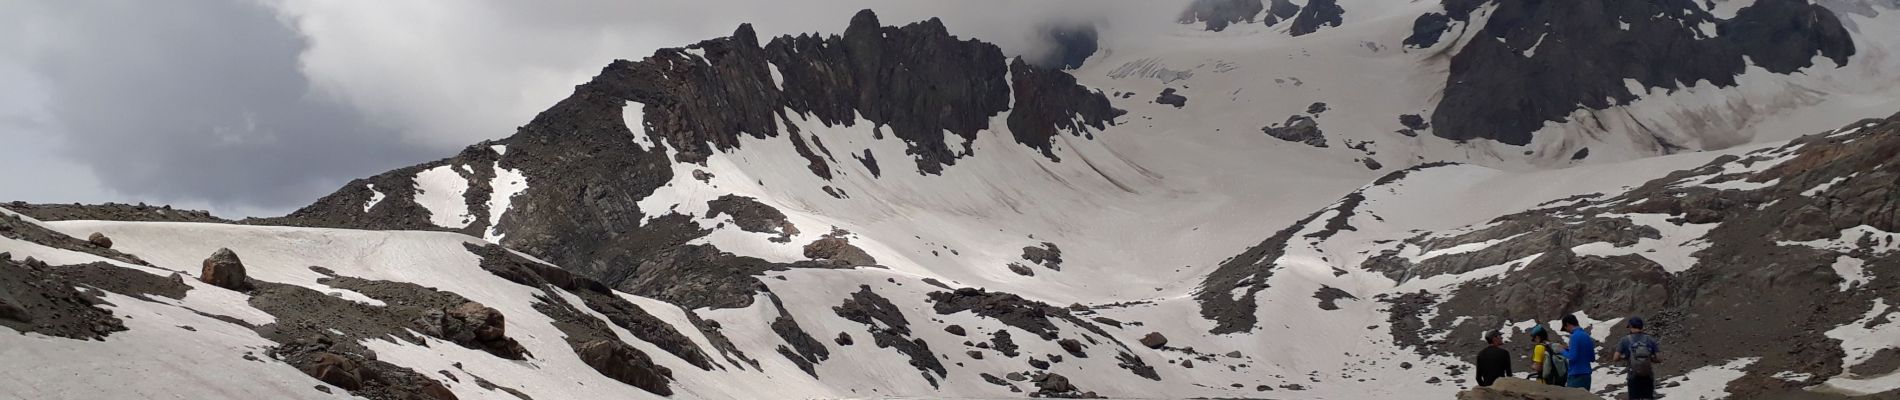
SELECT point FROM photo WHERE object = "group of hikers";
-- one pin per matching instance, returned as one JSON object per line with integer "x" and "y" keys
{"x": 1569, "y": 365}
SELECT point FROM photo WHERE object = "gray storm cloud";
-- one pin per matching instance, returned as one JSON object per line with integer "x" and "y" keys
{"x": 257, "y": 107}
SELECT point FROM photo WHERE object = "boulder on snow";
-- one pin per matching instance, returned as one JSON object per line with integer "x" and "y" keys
{"x": 844, "y": 339}
{"x": 225, "y": 270}
{"x": 955, "y": 330}
{"x": 625, "y": 364}
{"x": 1072, "y": 346}
{"x": 1154, "y": 340}
{"x": 1054, "y": 383}
{"x": 472, "y": 325}
{"x": 99, "y": 239}
{"x": 1520, "y": 389}
{"x": 336, "y": 370}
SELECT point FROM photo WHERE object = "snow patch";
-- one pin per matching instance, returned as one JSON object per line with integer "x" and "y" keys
{"x": 1709, "y": 382}
{"x": 506, "y": 184}
{"x": 1860, "y": 342}
{"x": 375, "y": 196}
{"x": 441, "y": 191}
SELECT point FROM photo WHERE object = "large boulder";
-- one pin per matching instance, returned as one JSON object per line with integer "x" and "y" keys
{"x": 99, "y": 239}
{"x": 336, "y": 370}
{"x": 472, "y": 325}
{"x": 625, "y": 364}
{"x": 1520, "y": 389}
{"x": 1154, "y": 340}
{"x": 225, "y": 270}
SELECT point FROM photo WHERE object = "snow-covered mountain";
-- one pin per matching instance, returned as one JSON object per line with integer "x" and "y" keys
{"x": 1331, "y": 199}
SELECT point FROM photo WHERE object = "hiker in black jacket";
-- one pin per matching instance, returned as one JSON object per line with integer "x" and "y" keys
{"x": 1493, "y": 362}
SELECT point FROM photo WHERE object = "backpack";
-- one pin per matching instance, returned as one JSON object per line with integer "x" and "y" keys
{"x": 1556, "y": 367}
{"x": 1641, "y": 357}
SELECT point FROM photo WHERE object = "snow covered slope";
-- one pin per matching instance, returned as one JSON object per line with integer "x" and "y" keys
{"x": 1315, "y": 207}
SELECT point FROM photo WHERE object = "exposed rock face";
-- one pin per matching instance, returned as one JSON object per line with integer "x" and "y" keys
{"x": 1049, "y": 102}
{"x": 361, "y": 376}
{"x": 473, "y": 325}
{"x": 13, "y": 227}
{"x": 625, "y": 364}
{"x": 99, "y": 239}
{"x": 837, "y": 248}
{"x": 1819, "y": 189}
{"x": 597, "y": 297}
{"x": 1154, "y": 340}
{"x": 111, "y": 212}
{"x": 1315, "y": 15}
{"x": 1168, "y": 97}
{"x": 1329, "y": 296}
{"x": 1298, "y": 129}
{"x": 1046, "y": 255}
{"x": 805, "y": 351}
{"x": 35, "y": 297}
{"x": 1218, "y": 14}
{"x": 889, "y": 329}
{"x": 1500, "y": 89}
{"x": 586, "y": 177}
{"x": 752, "y": 216}
{"x": 224, "y": 269}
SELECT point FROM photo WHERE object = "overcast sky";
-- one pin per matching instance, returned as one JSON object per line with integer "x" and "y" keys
{"x": 257, "y": 107}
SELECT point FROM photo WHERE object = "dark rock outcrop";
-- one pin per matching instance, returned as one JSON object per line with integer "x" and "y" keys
{"x": 752, "y": 216}
{"x": 1218, "y": 14}
{"x": 38, "y": 298}
{"x": 1048, "y": 102}
{"x": 1315, "y": 15}
{"x": 14, "y": 227}
{"x": 837, "y": 248}
{"x": 361, "y": 375}
{"x": 1169, "y": 97}
{"x": 889, "y": 329}
{"x": 1298, "y": 129}
{"x": 110, "y": 212}
{"x": 1154, "y": 340}
{"x": 581, "y": 210}
{"x": 224, "y": 269}
{"x": 626, "y": 364}
{"x": 597, "y": 297}
{"x": 1500, "y": 89}
{"x": 1046, "y": 255}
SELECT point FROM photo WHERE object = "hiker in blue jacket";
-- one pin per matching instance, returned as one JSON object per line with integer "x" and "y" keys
{"x": 1582, "y": 350}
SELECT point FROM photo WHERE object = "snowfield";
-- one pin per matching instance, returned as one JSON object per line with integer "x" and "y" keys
{"x": 1143, "y": 212}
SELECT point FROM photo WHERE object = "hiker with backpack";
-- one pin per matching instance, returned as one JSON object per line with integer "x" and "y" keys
{"x": 1582, "y": 351}
{"x": 1546, "y": 365}
{"x": 1493, "y": 362}
{"x": 1643, "y": 353}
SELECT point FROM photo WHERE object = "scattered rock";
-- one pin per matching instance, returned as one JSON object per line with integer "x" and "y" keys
{"x": 844, "y": 339}
{"x": 974, "y": 355}
{"x": 954, "y": 330}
